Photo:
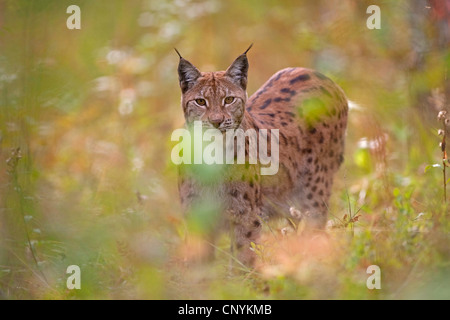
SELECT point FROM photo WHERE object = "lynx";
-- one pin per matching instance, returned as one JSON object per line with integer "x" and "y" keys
{"x": 310, "y": 112}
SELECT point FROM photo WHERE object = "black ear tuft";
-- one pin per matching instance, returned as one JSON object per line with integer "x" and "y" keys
{"x": 178, "y": 53}
{"x": 244, "y": 52}
{"x": 238, "y": 70}
{"x": 187, "y": 74}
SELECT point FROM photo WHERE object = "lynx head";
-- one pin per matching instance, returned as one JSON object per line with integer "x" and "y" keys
{"x": 216, "y": 98}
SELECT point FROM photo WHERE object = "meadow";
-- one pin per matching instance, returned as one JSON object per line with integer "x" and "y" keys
{"x": 86, "y": 177}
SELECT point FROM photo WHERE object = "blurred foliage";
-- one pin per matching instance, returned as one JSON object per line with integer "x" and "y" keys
{"x": 85, "y": 173}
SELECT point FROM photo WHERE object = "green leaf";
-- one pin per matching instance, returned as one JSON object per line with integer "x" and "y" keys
{"x": 428, "y": 167}
{"x": 396, "y": 192}
{"x": 362, "y": 159}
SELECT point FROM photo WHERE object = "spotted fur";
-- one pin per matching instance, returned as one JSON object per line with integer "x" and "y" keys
{"x": 309, "y": 110}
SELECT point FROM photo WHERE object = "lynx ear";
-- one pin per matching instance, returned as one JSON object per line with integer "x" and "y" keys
{"x": 238, "y": 70}
{"x": 187, "y": 73}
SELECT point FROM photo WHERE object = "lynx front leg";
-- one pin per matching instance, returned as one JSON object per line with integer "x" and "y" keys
{"x": 243, "y": 235}
{"x": 244, "y": 215}
{"x": 245, "y": 228}
{"x": 202, "y": 216}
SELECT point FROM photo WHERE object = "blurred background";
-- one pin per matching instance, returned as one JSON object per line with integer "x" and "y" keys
{"x": 85, "y": 123}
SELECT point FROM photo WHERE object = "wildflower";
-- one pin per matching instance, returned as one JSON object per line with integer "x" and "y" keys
{"x": 442, "y": 114}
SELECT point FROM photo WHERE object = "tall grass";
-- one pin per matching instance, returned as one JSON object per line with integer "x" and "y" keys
{"x": 85, "y": 175}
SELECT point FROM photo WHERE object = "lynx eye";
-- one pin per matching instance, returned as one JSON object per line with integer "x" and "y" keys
{"x": 200, "y": 102}
{"x": 229, "y": 100}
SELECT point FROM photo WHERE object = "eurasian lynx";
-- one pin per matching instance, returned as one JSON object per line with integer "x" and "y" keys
{"x": 310, "y": 112}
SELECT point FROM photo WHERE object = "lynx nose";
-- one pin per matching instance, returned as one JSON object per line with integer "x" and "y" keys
{"x": 216, "y": 119}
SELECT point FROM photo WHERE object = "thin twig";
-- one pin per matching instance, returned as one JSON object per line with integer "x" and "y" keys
{"x": 12, "y": 163}
{"x": 443, "y": 132}
{"x": 244, "y": 267}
